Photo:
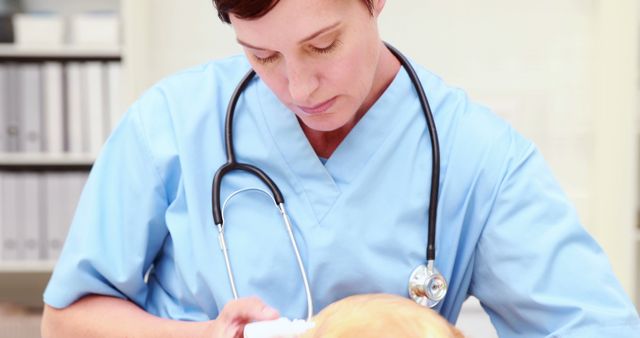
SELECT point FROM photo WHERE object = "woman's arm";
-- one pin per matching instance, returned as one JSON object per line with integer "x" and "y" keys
{"x": 536, "y": 270}
{"x": 102, "y": 316}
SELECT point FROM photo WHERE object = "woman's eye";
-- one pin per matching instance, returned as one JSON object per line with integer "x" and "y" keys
{"x": 266, "y": 60}
{"x": 327, "y": 49}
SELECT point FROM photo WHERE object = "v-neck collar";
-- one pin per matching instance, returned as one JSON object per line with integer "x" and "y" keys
{"x": 321, "y": 182}
{"x": 369, "y": 133}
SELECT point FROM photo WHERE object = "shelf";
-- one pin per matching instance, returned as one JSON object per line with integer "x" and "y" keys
{"x": 23, "y": 283}
{"x": 45, "y": 162}
{"x": 27, "y": 266}
{"x": 62, "y": 53}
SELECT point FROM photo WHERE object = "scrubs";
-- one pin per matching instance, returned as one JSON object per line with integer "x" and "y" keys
{"x": 506, "y": 233}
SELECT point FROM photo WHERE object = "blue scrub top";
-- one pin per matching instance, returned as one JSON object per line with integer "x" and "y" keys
{"x": 506, "y": 232}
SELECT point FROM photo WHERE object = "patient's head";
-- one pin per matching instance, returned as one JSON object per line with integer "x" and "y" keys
{"x": 379, "y": 315}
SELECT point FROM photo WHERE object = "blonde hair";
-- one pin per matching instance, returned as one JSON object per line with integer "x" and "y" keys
{"x": 380, "y": 315}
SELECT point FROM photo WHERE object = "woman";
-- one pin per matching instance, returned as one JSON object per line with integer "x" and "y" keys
{"x": 336, "y": 123}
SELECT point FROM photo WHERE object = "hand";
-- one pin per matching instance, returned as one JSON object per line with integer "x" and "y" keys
{"x": 236, "y": 314}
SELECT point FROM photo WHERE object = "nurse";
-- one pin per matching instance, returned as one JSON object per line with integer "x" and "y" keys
{"x": 335, "y": 122}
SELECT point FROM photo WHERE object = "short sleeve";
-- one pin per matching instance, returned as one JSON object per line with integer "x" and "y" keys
{"x": 118, "y": 227}
{"x": 537, "y": 272}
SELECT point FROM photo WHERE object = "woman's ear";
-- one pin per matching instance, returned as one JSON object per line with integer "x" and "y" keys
{"x": 378, "y": 5}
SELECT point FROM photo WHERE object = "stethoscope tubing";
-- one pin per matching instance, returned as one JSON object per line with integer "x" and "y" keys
{"x": 223, "y": 247}
{"x": 232, "y": 164}
{"x": 435, "y": 151}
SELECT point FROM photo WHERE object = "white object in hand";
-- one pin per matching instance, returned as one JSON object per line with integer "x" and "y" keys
{"x": 278, "y": 328}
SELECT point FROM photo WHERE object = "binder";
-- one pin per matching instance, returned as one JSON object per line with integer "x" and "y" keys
{"x": 62, "y": 192}
{"x": 74, "y": 94}
{"x": 95, "y": 114}
{"x": 52, "y": 108}
{"x": 55, "y": 210}
{"x": 13, "y": 115}
{"x": 95, "y": 28}
{"x": 30, "y": 207}
{"x": 30, "y": 103}
{"x": 4, "y": 107}
{"x": 75, "y": 184}
{"x": 38, "y": 29}
{"x": 11, "y": 217}
{"x": 114, "y": 95}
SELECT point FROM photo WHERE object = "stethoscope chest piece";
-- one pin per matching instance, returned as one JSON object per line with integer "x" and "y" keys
{"x": 427, "y": 286}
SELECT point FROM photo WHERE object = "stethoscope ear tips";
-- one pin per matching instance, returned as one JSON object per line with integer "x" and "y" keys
{"x": 427, "y": 286}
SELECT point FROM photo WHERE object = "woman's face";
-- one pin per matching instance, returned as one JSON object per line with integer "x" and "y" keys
{"x": 319, "y": 57}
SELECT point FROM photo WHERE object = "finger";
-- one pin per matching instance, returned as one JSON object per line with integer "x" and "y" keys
{"x": 249, "y": 309}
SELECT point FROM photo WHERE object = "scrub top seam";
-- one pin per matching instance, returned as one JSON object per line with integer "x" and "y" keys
{"x": 454, "y": 122}
{"x": 498, "y": 189}
{"x": 454, "y": 308}
{"x": 144, "y": 138}
{"x": 505, "y": 176}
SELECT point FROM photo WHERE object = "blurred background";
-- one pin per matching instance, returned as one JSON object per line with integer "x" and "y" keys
{"x": 564, "y": 73}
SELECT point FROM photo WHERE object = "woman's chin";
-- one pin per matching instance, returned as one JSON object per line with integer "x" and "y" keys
{"x": 325, "y": 122}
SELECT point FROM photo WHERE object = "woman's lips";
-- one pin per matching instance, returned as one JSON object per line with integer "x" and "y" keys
{"x": 320, "y": 108}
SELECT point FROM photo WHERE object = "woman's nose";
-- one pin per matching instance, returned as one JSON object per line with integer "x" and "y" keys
{"x": 302, "y": 83}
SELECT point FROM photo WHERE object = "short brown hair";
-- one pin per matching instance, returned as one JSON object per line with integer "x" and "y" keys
{"x": 253, "y": 9}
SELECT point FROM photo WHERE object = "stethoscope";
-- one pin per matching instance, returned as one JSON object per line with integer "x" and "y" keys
{"x": 427, "y": 286}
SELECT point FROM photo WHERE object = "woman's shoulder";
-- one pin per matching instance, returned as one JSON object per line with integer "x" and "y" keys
{"x": 468, "y": 127}
{"x": 452, "y": 104}
{"x": 170, "y": 115}
{"x": 192, "y": 93}
{"x": 223, "y": 73}
{"x": 201, "y": 82}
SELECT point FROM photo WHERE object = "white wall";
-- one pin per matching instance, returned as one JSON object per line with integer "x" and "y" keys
{"x": 170, "y": 35}
{"x": 183, "y": 45}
